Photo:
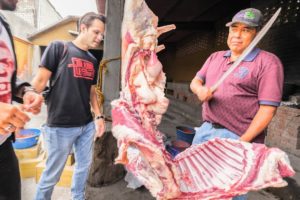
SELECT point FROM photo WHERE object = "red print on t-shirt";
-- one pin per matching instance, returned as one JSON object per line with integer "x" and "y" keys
{"x": 6, "y": 71}
{"x": 82, "y": 68}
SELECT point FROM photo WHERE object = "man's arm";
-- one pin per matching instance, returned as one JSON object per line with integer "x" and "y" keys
{"x": 23, "y": 93}
{"x": 99, "y": 121}
{"x": 32, "y": 100}
{"x": 259, "y": 123}
{"x": 39, "y": 82}
{"x": 197, "y": 87}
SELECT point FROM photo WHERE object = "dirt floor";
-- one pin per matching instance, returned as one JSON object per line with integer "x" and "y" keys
{"x": 117, "y": 191}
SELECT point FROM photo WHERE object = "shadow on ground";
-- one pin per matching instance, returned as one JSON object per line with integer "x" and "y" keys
{"x": 290, "y": 192}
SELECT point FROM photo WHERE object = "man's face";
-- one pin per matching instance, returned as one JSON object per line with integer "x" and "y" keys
{"x": 239, "y": 37}
{"x": 8, "y": 4}
{"x": 94, "y": 34}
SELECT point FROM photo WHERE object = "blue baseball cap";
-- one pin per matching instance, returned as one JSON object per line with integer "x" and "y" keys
{"x": 250, "y": 16}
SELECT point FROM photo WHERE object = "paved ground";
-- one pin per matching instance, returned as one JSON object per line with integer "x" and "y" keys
{"x": 167, "y": 126}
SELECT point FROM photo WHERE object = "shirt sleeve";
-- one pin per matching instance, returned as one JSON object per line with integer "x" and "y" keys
{"x": 201, "y": 74}
{"x": 51, "y": 56}
{"x": 270, "y": 82}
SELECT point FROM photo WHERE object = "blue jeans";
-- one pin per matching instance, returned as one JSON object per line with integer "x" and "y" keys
{"x": 207, "y": 132}
{"x": 59, "y": 143}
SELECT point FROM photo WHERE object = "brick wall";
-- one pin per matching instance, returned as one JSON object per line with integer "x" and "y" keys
{"x": 182, "y": 92}
{"x": 183, "y": 60}
{"x": 283, "y": 39}
{"x": 186, "y": 57}
{"x": 284, "y": 130}
{"x": 184, "y": 102}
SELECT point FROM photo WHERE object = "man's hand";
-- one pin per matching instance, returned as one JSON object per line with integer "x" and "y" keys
{"x": 11, "y": 118}
{"x": 204, "y": 93}
{"x": 259, "y": 123}
{"x": 100, "y": 127}
{"x": 32, "y": 102}
{"x": 198, "y": 88}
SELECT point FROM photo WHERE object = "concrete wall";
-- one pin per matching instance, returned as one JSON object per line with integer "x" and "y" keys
{"x": 26, "y": 10}
{"x": 38, "y": 13}
{"x": 112, "y": 49}
{"x": 19, "y": 27}
{"x": 36, "y": 59}
{"x": 47, "y": 15}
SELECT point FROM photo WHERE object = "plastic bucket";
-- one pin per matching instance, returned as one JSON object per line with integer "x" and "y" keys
{"x": 172, "y": 150}
{"x": 185, "y": 133}
{"x": 26, "y": 138}
{"x": 177, "y": 147}
{"x": 180, "y": 145}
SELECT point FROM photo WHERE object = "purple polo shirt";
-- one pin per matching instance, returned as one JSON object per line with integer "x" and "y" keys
{"x": 258, "y": 80}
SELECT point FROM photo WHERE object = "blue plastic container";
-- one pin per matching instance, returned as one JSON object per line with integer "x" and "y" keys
{"x": 172, "y": 150}
{"x": 29, "y": 137}
{"x": 185, "y": 133}
{"x": 177, "y": 147}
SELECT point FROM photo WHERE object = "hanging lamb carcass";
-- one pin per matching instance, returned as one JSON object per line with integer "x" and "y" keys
{"x": 217, "y": 169}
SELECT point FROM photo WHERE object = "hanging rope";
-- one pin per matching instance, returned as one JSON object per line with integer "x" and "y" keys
{"x": 102, "y": 69}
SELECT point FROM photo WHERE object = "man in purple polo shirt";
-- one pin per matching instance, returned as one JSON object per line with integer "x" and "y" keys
{"x": 245, "y": 103}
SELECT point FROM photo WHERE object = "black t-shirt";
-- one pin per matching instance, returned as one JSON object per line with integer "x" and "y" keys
{"x": 69, "y": 101}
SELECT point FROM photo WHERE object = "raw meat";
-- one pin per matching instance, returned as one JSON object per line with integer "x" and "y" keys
{"x": 217, "y": 169}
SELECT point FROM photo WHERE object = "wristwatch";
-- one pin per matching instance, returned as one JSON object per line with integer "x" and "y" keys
{"x": 99, "y": 117}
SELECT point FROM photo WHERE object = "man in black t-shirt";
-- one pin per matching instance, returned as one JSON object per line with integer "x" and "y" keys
{"x": 70, "y": 121}
{"x": 12, "y": 117}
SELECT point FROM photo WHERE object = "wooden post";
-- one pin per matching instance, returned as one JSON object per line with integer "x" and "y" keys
{"x": 103, "y": 171}
{"x": 112, "y": 49}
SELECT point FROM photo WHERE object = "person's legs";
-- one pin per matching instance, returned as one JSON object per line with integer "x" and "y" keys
{"x": 10, "y": 184}
{"x": 83, "y": 150}
{"x": 58, "y": 142}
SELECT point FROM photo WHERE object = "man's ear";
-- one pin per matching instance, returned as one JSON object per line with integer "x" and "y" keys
{"x": 82, "y": 27}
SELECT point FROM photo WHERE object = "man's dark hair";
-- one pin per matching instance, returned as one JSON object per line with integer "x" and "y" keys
{"x": 89, "y": 17}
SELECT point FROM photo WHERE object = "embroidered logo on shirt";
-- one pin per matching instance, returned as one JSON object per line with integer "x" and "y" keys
{"x": 82, "y": 68}
{"x": 242, "y": 73}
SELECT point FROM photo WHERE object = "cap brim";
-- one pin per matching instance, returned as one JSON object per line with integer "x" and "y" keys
{"x": 249, "y": 24}
{"x": 229, "y": 24}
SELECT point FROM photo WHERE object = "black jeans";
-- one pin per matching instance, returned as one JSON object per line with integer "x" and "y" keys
{"x": 10, "y": 184}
